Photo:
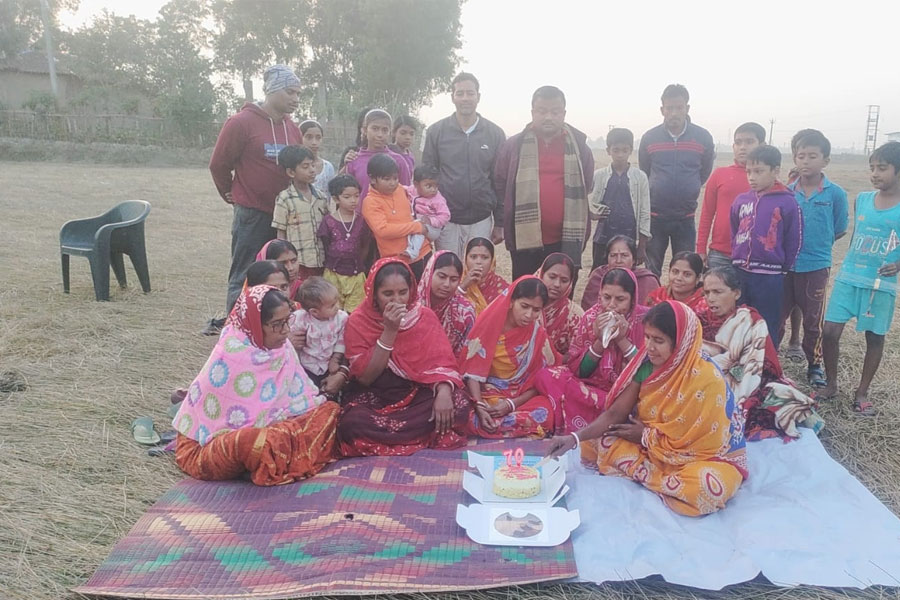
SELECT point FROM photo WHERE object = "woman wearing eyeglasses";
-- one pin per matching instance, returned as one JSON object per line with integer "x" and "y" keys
{"x": 253, "y": 408}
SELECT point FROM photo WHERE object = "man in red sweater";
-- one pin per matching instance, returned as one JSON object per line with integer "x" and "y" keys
{"x": 244, "y": 167}
{"x": 724, "y": 185}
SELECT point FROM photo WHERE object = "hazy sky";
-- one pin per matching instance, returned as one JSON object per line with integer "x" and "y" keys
{"x": 804, "y": 64}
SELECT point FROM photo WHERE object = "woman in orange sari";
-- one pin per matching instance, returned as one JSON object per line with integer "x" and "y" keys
{"x": 685, "y": 284}
{"x": 253, "y": 408}
{"x": 480, "y": 282}
{"x": 682, "y": 440}
{"x": 561, "y": 315}
{"x": 503, "y": 355}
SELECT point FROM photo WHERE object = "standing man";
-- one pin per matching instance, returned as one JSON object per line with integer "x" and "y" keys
{"x": 462, "y": 147}
{"x": 678, "y": 157}
{"x": 542, "y": 176}
{"x": 244, "y": 167}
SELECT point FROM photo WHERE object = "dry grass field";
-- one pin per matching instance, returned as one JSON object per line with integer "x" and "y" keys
{"x": 72, "y": 481}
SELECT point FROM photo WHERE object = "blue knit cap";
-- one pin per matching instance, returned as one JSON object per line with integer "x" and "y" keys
{"x": 278, "y": 77}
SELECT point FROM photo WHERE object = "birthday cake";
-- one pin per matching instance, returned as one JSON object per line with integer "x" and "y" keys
{"x": 517, "y": 481}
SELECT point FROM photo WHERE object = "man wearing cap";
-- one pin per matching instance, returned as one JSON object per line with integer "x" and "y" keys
{"x": 244, "y": 167}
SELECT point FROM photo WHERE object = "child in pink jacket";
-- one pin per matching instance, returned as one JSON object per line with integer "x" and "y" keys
{"x": 428, "y": 206}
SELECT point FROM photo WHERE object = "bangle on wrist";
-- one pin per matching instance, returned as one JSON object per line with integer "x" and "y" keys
{"x": 631, "y": 351}
{"x": 512, "y": 405}
{"x": 577, "y": 439}
{"x": 384, "y": 346}
{"x": 592, "y": 353}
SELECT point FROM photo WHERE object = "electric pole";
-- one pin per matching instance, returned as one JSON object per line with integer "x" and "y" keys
{"x": 771, "y": 128}
{"x": 48, "y": 41}
{"x": 872, "y": 129}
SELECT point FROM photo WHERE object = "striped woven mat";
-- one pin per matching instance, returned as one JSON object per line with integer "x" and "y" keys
{"x": 363, "y": 526}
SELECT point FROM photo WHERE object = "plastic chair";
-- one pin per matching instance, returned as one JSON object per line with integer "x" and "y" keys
{"x": 104, "y": 240}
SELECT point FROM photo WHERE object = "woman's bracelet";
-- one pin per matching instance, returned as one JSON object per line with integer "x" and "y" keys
{"x": 460, "y": 290}
{"x": 577, "y": 439}
{"x": 631, "y": 351}
{"x": 594, "y": 354}
{"x": 384, "y": 346}
{"x": 344, "y": 369}
{"x": 512, "y": 405}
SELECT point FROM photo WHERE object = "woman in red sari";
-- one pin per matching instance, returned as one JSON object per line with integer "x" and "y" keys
{"x": 284, "y": 252}
{"x": 580, "y": 389}
{"x": 253, "y": 408}
{"x": 561, "y": 315}
{"x": 505, "y": 351}
{"x": 480, "y": 281}
{"x": 621, "y": 252}
{"x": 685, "y": 284}
{"x": 439, "y": 291}
{"x": 407, "y": 393}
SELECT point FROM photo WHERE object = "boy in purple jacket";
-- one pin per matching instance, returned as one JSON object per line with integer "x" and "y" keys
{"x": 766, "y": 232}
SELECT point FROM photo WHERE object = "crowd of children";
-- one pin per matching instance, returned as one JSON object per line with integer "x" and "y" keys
{"x": 778, "y": 236}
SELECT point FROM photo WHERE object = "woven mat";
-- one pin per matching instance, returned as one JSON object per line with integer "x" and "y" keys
{"x": 362, "y": 526}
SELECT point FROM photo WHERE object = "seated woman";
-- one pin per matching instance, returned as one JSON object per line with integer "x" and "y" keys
{"x": 284, "y": 252}
{"x": 561, "y": 316}
{"x": 579, "y": 389}
{"x": 621, "y": 253}
{"x": 682, "y": 443}
{"x": 439, "y": 291}
{"x": 738, "y": 341}
{"x": 268, "y": 272}
{"x": 480, "y": 281}
{"x": 252, "y": 408}
{"x": 685, "y": 284}
{"x": 503, "y": 355}
{"x": 407, "y": 394}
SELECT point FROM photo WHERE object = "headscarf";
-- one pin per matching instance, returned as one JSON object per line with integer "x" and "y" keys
{"x": 278, "y": 77}
{"x": 243, "y": 383}
{"x": 456, "y": 313}
{"x": 491, "y": 286}
{"x": 295, "y": 285}
{"x": 478, "y": 354}
{"x": 561, "y": 316}
{"x": 688, "y": 410}
{"x": 612, "y": 360}
{"x": 412, "y": 358}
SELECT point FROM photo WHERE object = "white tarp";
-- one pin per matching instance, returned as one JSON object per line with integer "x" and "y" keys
{"x": 800, "y": 518}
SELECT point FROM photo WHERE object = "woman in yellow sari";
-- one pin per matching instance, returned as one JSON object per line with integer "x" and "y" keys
{"x": 480, "y": 282}
{"x": 681, "y": 443}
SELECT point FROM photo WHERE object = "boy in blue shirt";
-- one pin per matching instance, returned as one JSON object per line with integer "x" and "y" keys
{"x": 866, "y": 285}
{"x": 823, "y": 206}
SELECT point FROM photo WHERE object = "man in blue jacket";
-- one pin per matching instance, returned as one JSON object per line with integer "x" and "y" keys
{"x": 678, "y": 158}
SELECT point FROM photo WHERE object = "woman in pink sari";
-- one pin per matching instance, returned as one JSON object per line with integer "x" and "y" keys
{"x": 561, "y": 315}
{"x": 579, "y": 390}
{"x": 439, "y": 291}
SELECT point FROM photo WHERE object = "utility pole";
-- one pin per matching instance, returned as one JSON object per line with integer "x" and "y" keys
{"x": 872, "y": 129}
{"x": 48, "y": 41}
{"x": 771, "y": 128}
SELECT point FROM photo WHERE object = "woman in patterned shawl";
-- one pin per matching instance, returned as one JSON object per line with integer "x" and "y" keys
{"x": 252, "y": 407}
{"x": 407, "y": 394}
{"x": 561, "y": 315}
{"x": 672, "y": 425}
{"x": 439, "y": 291}
{"x": 480, "y": 281}
{"x": 505, "y": 351}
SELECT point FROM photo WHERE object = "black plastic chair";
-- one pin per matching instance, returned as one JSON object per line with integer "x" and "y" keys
{"x": 104, "y": 240}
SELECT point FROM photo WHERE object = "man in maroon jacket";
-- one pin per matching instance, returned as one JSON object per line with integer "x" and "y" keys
{"x": 244, "y": 167}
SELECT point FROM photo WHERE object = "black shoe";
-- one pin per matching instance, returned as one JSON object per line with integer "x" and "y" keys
{"x": 214, "y": 327}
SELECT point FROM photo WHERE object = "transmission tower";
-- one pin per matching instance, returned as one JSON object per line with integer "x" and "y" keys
{"x": 872, "y": 128}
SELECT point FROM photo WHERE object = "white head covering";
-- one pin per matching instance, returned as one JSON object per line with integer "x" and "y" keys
{"x": 278, "y": 77}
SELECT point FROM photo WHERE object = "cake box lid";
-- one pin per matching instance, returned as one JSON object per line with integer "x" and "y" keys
{"x": 553, "y": 479}
{"x": 516, "y": 524}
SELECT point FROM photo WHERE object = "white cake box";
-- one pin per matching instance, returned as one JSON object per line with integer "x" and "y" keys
{"x": 553, "y": 479}
{"x": 517, "y": 525}
{"x": 499, "y": 521}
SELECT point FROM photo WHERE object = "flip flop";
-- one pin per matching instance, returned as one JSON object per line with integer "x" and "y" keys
{"x": 864, "y": 408}
{"x": 816, "y": 377}
{"x": 143, "y": 433}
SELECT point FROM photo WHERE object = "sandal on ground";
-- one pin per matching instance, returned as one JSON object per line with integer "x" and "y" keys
{"x": 863, "y": 408}
{"x": 143, "y": 433}
{"x": 172, "y": 411}
{"x": 816, "y": 376}
{"x": 795, "y": 353}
